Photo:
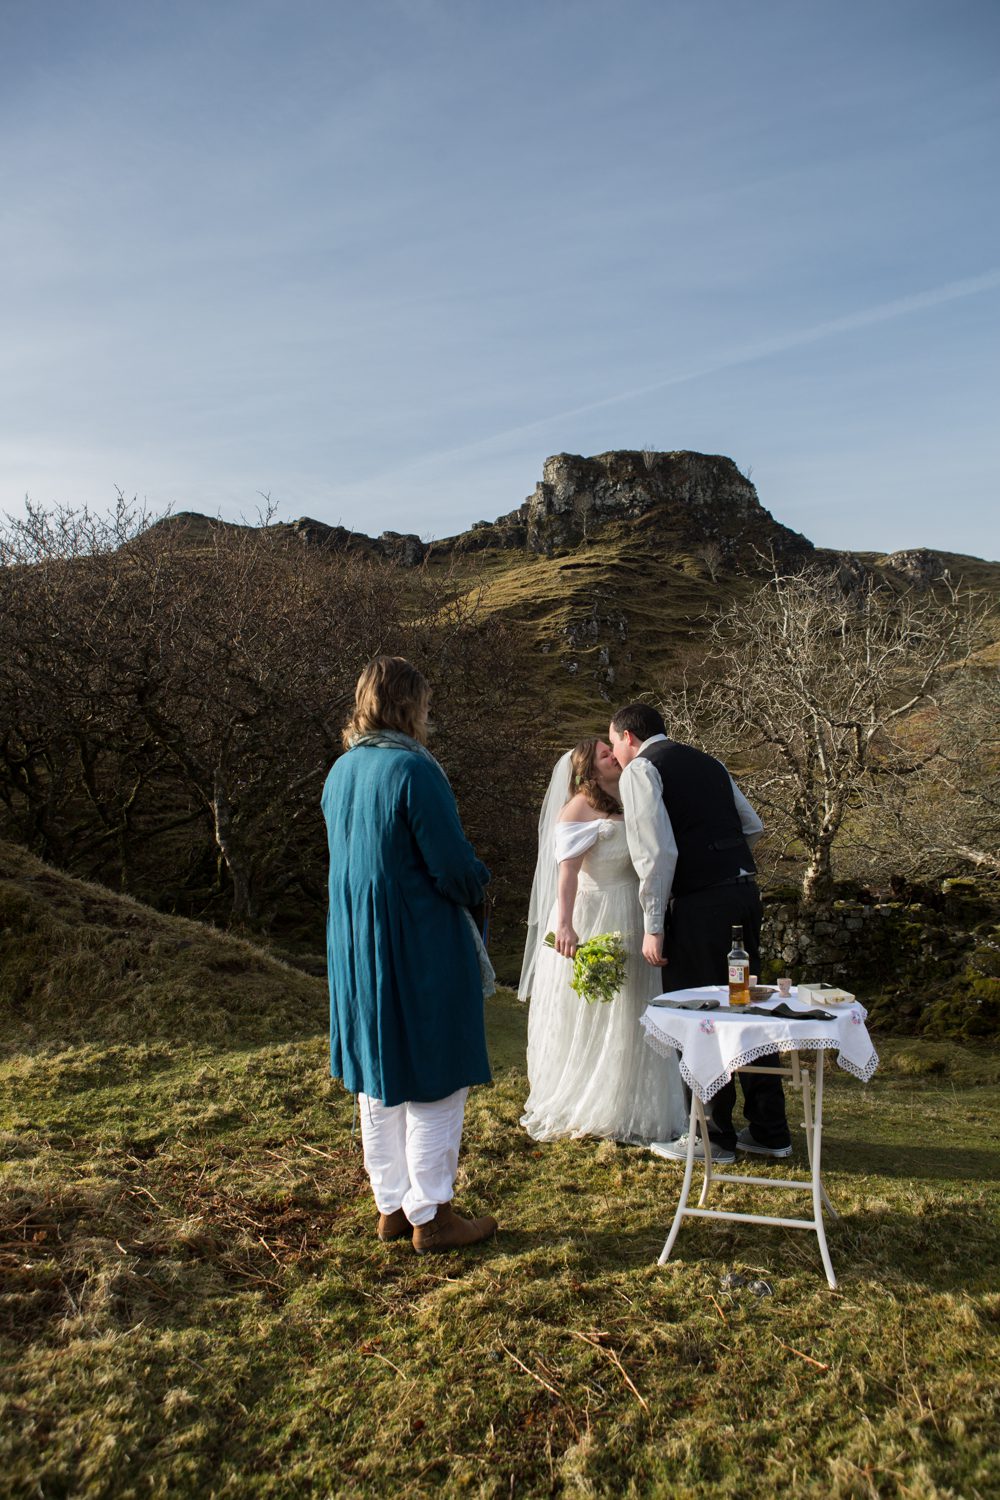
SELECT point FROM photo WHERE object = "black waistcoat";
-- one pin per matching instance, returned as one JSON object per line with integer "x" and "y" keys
{"x": 698, "y": 796}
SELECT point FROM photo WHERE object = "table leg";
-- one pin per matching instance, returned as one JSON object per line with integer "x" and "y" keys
{"x": 800, "y": 1079}
{"x": 808, "y": 1123}
{"x": 814, "y": 1144}
{"x": 817, "y": 1184}
{"x": 706, "y": 1146}
{"x": 685, "y": 1185}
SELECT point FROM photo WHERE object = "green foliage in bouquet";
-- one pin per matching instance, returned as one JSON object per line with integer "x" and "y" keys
{"x": 598, "y": 968}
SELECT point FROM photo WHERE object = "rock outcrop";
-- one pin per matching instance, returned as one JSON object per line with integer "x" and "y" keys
{"x": 319, "y": 534}
{"x": 694, "y": 502}
{"x": 701, "y": 500}
{"x": 406, "y": 549}
{"x": 918, "y": 566}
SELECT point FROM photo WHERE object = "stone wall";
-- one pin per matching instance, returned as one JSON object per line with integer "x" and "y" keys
{"x": 924, "y": 967}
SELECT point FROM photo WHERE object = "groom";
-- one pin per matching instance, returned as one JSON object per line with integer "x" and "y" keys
{"x": 690, "y": 832}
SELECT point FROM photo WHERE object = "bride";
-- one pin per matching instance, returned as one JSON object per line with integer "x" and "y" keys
{"x": 589, "y": 1069}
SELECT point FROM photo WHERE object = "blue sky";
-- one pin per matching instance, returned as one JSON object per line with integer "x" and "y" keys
{"x": 380, "y": 259}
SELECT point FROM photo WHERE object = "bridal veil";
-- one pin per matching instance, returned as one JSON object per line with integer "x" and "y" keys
{"x": 543, "y": 887}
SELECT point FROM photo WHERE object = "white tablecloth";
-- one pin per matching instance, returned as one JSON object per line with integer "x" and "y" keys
{"x": 712, "y": 1045}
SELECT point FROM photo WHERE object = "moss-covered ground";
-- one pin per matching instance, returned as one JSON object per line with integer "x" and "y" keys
{"x": 194, "y": 1301}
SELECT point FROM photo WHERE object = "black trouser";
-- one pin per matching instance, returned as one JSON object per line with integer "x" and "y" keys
{"x": 698, "y": 938}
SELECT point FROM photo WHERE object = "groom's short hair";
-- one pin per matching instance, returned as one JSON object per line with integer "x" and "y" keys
{"x": 640, "y": 719}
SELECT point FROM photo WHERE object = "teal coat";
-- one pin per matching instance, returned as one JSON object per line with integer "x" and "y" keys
{"x": 406, "y": 999}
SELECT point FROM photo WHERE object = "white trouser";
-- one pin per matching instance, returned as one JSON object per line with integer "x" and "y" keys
{"x": 411, "y": 1153}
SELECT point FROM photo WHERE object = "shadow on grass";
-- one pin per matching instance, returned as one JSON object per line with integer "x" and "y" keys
{"x": 918, "y": 1251}
{"x": 899, "y": 1163}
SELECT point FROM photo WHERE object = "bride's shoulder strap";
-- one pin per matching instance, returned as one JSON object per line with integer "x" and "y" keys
{"x": 574, "y": 839}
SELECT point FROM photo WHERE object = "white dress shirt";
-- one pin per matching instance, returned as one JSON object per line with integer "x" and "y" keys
{"x": 651, "y": 841}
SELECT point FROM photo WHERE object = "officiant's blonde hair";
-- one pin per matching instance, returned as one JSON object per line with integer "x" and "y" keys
{"x": 391, "y": 694}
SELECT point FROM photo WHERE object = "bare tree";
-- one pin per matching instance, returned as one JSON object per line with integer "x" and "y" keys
{"x": 953, "y": 814}
{"x": 710, "y": 553}
{"x": 153, "y": 679}
{"x": 811, "y": 689}
{"x": 68, "y": 760}
{"x": 171, "y": 696}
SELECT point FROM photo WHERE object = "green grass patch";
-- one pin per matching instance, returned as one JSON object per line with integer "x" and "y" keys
{"x": 194, "y": 1301}
{"x": 78, "y": 961}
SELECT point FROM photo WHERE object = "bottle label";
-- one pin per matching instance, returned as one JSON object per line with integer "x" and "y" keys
{"x": 738, "y": 974}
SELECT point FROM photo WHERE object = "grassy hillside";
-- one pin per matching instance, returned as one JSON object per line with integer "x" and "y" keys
{"x": 617, "y": 602}
{"x": 79, "y": 962}
{"x": 193, "y": 1302}
{"x": 624, "y": 601}
{"x": 633, "y": 598}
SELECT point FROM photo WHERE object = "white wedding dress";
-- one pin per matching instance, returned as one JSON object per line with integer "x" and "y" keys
{"x": 590, "y": 1071}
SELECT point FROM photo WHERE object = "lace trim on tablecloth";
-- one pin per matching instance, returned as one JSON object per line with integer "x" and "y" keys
{"x": 666, "y": 1047}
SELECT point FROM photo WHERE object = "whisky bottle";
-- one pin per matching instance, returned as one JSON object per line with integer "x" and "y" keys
{"x": 739, "y": 970}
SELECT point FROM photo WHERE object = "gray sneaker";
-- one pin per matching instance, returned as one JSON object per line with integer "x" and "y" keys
{"x": 678, "y": 1150}
{"x": 746, "y": 1142}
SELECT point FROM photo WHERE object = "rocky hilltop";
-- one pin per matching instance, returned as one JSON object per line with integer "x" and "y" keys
{"x": 700, "y": 499}
{"x": 612, "y": 562}
{"x": 697, "y": 503}
{"x": 689, "y": 504}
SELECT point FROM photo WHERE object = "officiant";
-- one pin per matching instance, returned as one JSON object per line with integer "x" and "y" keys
{"x": 407, "y": 969}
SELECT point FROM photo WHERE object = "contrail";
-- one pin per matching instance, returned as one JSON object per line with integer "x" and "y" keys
{"x": 883, "y": 312}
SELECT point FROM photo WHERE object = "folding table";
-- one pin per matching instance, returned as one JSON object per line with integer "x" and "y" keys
{"x": 713, "y": 1044}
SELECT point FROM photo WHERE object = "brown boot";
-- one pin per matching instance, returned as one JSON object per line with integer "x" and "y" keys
{"x": 449, "y": 1231}
{"x": 393, "y": 1226}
